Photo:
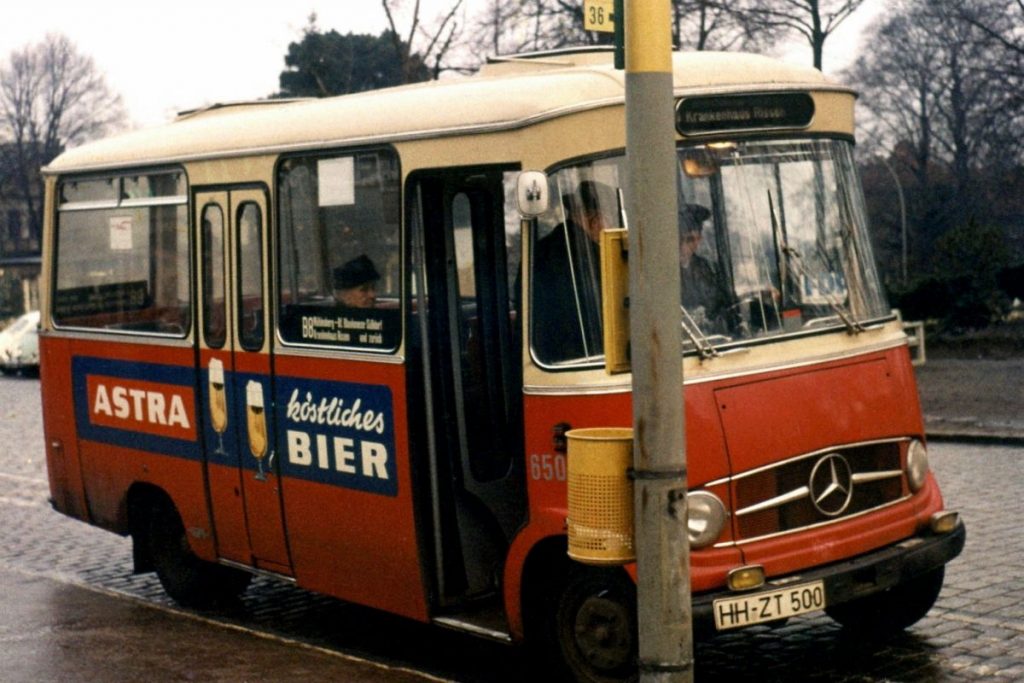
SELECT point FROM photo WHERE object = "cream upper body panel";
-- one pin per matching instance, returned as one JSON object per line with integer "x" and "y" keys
{"x": 502, "y": 97}
{"x": 796, "y": 351}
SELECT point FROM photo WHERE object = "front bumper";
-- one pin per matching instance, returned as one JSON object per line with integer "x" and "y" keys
{"x": 855, "y": 578}
{"x": 13, "y": 363}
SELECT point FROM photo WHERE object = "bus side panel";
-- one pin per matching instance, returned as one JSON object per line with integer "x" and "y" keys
{"x": 705, "y": 448}
{"x": 228, "y": 513}
{"x": 110, "y": 471}
{"x": 136, "y": 422}
{"x": 348, "y": 505}
{"x": 62, "y": 461}
{"x": 706, "y": 454}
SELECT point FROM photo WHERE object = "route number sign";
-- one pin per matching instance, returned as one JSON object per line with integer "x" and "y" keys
{"x": 599, "y": 15}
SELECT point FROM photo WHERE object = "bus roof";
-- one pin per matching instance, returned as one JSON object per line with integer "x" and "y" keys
{"x": 507, "y": 93}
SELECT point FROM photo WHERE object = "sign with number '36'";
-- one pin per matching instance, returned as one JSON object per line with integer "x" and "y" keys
{"x": 599, "y": 15}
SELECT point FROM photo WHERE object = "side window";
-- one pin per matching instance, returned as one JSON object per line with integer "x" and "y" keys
{"x": 565, "y": 285}
{"x": 123, "y": 254}
{"x": 340, "y": 274}
{"x": 214, "y": 307}
{"x": 250, "y": 276}
{"x": 513, "y": 240}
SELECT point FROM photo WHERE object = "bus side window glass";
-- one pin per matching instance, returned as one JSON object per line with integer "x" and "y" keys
{"x": 123, "y": 254}
{"x": 214, "y": 308}
{"x": 340, "y": 266}
{"x": 565, "y": 289}
{"x": 250, "y": 277}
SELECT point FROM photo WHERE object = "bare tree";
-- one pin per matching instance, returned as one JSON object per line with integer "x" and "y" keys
{"x": 815, "y": 20}
{"x": 978, "y": 106}
{"x": 937, "y": 89}
{"x": 515, "y": 26}
{"x": 504, "y": 27}
{"x": 523, "y": 25}
{"x": 51, "y": 97}
{"x": 717, "y": 25}
{"x": 430, "y": 45}
{"x": 898, "y": 83}
{"x": 1000, "y": 28}
{"x": 1000, "y": 20}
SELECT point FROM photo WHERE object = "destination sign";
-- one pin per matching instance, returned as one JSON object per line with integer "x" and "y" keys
{"x": 731, "y": 113}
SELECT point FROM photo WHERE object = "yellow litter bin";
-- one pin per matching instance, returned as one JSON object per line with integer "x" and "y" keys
{"x": 600, "y": 495}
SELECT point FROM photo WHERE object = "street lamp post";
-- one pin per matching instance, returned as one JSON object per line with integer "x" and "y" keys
{"x": 903, "y": 217}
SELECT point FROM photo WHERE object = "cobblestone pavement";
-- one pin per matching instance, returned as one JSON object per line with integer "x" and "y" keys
{"x": 976, "y": 631}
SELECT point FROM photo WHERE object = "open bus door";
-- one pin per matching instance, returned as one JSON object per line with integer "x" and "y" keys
{"x": 242, "y": 467}
{"x": 465, "y": 352}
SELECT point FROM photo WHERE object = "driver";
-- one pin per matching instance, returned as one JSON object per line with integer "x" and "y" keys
{"x": 704, "y": 294}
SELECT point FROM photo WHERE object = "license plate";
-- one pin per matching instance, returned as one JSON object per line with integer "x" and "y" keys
{"x": 769, "y": 606}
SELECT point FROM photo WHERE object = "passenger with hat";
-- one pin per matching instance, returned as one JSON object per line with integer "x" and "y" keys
{"x": 566, "y": 304}
{"x": 355, "y": 283}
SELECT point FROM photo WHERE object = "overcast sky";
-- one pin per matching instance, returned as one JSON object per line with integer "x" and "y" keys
{"x": 196, "y": 52}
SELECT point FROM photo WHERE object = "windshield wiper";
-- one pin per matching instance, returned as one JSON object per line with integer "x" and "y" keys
{"x": 692, "y": 330}
{"x": 794, "y": 261}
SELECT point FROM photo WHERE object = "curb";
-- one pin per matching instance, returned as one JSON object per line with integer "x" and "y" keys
{"x": 979, "y": 437}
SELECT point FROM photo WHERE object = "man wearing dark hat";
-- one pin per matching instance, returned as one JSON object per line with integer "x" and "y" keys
{"x": 565, "y": 302}
{"x": 355, "y": 283}
{"x": 703, "y": 295}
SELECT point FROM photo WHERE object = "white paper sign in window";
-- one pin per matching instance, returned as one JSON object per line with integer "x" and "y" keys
{"x": 120, "y": 233}
{"x": 337, "y": 181}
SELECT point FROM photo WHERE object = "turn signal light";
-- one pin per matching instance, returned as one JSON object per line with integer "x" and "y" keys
{"x": 945, "y": 521}
{"x": 746, "y": 578}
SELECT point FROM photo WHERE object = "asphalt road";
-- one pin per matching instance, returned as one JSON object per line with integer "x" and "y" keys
{"x": 973, "y": 398}
{"x": 71, "y": 610}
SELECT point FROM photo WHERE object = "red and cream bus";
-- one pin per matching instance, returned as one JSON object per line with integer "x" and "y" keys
{"x": 211, "y": 389}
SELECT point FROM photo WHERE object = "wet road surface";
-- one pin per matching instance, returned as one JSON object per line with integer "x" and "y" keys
{"x": 70, "y": 609}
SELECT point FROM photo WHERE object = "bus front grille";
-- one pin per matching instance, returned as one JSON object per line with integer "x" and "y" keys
{"x": 818, "y": 488}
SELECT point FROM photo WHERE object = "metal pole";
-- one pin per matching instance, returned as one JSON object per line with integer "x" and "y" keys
{"x": 659, "y": 458}
{"x": 903, "y": 214}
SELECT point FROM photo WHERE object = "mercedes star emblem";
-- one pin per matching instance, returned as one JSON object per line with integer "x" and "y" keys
{"x": 831, "y": 485}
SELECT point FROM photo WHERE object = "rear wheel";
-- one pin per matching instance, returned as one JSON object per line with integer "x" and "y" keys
{"x": 189, "y": 580}
{"x": 595, "y": 626}
{"x": 891, "y": 610}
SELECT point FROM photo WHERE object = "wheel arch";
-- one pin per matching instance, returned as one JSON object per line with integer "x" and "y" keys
{"x": 142, "y": 499}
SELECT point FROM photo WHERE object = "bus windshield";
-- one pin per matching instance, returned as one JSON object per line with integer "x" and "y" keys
{"x": 772, "y": 241}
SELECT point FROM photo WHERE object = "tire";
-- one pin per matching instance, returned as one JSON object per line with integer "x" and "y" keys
{"x": 892, "y": 610}
{"x": 189, "y": 581}
{"x": 595, "y": 626}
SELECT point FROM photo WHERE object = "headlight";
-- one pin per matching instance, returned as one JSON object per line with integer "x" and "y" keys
{"x": 706, "y": 518}
{"x": 917, "y": 465}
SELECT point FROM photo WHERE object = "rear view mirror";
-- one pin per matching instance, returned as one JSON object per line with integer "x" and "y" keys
{"x": 532, "y": 193}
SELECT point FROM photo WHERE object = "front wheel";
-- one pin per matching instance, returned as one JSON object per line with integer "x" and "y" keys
{"x": 595, "y": 626}
{"x": 189, "y": 580}
{"x": 892, "y": 610}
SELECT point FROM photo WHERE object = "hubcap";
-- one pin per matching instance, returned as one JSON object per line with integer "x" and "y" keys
{"x": 603, "y": 635}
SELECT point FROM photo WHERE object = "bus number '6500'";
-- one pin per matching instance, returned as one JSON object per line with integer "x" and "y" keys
{"x": 547, "y": 467}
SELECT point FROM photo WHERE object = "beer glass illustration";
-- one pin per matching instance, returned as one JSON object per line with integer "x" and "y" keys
{"x": 257, "y": 425}
{"x": 218, "y": 403}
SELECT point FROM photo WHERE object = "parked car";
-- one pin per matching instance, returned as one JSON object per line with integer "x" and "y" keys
{"x": 19, "y": 345}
